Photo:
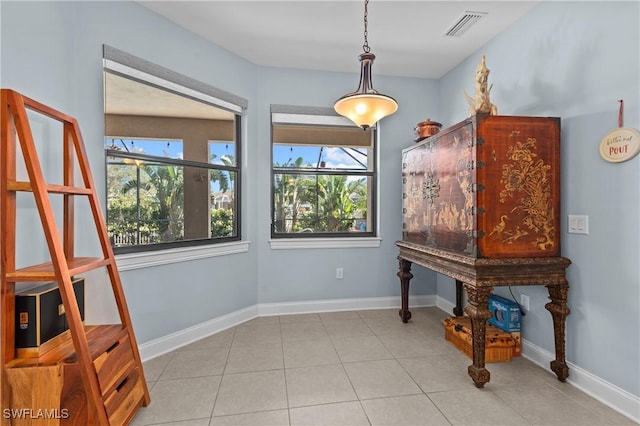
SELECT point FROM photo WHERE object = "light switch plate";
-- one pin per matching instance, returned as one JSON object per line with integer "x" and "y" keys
{"x": 578, "y": 224}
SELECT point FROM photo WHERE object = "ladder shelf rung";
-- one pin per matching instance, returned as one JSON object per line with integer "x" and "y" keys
{"x": 97, "y": 369}
{"x": 55, "y": 189}
{"x": 46, "y": 272}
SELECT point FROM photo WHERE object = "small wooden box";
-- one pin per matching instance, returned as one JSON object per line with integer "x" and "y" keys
{"x": 499, "y": 345}
{"x": 41, "y": 319}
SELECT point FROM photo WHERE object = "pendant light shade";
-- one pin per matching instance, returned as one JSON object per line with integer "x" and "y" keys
{"x": 365, "y": 106}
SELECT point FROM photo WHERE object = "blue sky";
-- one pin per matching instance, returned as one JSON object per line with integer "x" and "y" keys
{"x": 167, "y": 148}
{"x": 334, "y": 157}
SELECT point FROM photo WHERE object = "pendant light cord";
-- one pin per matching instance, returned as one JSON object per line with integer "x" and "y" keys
{"x": 365, "y": 46}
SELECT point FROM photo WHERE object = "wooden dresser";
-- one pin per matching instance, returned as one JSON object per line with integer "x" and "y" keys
{"x": 481, "y": 204}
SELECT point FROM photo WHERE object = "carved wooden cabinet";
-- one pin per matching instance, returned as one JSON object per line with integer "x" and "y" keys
{"x": 481, "y": 204}
{"x": 487, "y": 187}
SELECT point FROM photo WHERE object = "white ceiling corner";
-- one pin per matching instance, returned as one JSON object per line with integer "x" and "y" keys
{"x": 407, "y": 37}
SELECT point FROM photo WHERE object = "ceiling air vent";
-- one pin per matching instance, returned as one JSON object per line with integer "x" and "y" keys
{"x": 463, "y": 23}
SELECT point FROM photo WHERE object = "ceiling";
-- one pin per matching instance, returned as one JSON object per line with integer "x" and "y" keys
{"x": 407, "y": 37}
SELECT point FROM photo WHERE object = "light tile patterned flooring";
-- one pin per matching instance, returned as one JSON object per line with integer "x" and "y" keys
{"x": 352, "y": 368}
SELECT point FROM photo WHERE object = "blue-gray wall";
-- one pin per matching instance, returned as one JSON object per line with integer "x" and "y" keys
{"x": 575, "y": 60}
{"x": 52, "y": 52}
{"x": 572, "y": 60}
{"x": 297, "y": 275}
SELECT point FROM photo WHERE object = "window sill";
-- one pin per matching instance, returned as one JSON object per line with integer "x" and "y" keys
{"x": 131, "y": 261}
{"x": 323, "y": 243}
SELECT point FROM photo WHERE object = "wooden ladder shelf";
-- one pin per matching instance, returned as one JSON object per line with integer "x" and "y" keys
{"x": 93, "y": 375}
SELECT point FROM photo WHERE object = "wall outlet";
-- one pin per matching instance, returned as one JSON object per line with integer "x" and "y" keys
{"x": 339, "y": 273}
{"x": 524, "y": 302}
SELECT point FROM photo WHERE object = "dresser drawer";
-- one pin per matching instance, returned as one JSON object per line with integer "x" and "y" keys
{"x": 125, "y": 398}
{"x": 114, "y": 364}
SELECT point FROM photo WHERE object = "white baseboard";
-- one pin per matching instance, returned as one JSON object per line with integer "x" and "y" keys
{"x": 609, "y": 394}
{"x": 605, "y": 392}
{"x": 336, "y": 305}
{"x": 445, "y": 305}
{"x": 170, "y": 342}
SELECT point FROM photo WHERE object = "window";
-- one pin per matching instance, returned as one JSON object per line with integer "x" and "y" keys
{"x": 323, "y": 175}
{"x": 172, "y": 161}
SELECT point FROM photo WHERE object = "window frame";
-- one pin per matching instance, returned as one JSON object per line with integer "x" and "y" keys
{"x": 137, "y": 69}
{"x": 322, "y": 117}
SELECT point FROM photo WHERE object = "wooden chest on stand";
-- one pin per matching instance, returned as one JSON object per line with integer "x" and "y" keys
{"x": 487, "y": 187}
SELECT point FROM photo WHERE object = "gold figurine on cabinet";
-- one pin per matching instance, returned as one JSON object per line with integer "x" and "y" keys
{"x": 480, "y": 103}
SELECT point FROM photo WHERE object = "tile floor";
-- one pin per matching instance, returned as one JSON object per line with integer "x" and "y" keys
{"x": 352, "y": 368}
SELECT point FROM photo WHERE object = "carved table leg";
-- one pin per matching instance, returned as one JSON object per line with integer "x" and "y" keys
{"x": 559, "y": 311}
{"x": 457, "y": 310}
{"x": 405, "y": 276}
{"x": 478, "y": 311}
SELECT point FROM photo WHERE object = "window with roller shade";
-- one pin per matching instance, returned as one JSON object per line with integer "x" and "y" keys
{"x": 172, "y": 149}
{"x": 323, "y": 175}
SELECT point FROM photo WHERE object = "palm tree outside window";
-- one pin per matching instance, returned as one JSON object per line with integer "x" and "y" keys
{"x": 155, "y": 197}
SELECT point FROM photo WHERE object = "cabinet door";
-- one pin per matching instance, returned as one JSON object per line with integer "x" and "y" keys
{"x": 439, "y": 191}
{"x": 520, "y": 173}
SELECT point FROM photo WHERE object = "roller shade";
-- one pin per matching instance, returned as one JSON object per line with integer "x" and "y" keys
{"x": 294, "y": 125}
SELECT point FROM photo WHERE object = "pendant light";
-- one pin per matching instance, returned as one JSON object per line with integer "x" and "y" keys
{"x": 365, "y": 106}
